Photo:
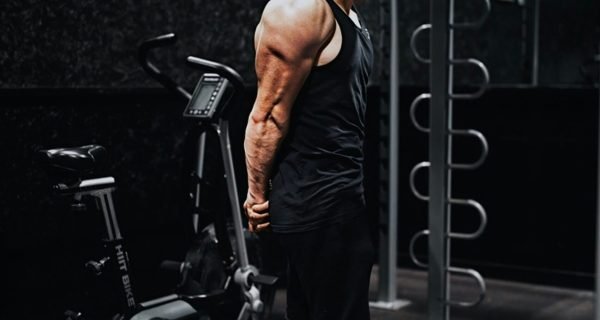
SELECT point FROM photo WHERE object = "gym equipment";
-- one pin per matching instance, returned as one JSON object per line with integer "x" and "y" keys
{"x": 219, "y": 89}
{"x": 73, "y": 172}
{"x": 389, "y": 162}
{"x": 441, "y": 165}
{"x": 200, "y": 290}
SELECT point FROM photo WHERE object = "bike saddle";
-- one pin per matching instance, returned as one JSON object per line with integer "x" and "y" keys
{"x": 76, "y": 160}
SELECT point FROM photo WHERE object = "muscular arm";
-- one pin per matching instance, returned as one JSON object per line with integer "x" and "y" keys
{"x": 288, "y": 41}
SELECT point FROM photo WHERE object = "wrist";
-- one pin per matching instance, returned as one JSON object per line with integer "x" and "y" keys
{"x": 256, "y": 197}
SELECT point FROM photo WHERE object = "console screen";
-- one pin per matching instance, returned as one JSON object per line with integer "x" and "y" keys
{"x": 203, "y": 97}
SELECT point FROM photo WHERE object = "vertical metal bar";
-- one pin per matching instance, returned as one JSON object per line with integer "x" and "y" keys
{"x": 200, "y": 152}
{"x": 448, "y": 148}
{"x": 200, "y": 155}
{"x": 383, "y": 293}
{"x": 597, "y": 298}
{"x": 236, "y": 209}
{"x": 438, "y": 154}
{"x": 389, "y": 158}
{"x": 394, "y": 159}
{"x": 531, "y": 39}
{"x": 536, "y": 43}
{"x": 101, "y": 200}
{"x": 113, "y": 215}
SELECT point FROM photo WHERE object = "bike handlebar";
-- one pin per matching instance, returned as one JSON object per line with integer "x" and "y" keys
{"x": 224, "y": 71}
{"x": 143, "y": 51}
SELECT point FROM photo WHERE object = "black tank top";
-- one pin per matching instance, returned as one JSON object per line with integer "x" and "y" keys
{"x": 318, "y": 174}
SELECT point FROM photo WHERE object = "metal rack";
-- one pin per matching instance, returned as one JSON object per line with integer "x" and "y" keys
{"x": 440, "y": 164}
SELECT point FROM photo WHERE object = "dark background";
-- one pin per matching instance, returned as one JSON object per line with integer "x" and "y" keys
{"x": 68, "y": 76}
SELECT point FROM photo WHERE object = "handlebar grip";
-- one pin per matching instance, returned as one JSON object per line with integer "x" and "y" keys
{"x": 160, "y": 41}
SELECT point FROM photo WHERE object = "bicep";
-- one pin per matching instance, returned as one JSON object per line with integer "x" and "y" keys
{"x": 286, "y": 50}
{"x": 280, "y": 78}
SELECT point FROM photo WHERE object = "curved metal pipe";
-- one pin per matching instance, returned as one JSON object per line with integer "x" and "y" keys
{"x": 484, "y": 150}
{"x": 413, "y": 187}
{"x": 413, "y": 42}
{"x": 411, "y": 248}
{"x": 483, "y": 86}
{"x": 143, "y": 52}
{"x": 413, "y": 107}
{"x": 482, "y": 214}
{"x": 478, "y": 279}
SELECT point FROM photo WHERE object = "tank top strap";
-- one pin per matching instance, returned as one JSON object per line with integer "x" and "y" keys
{"x": 339, "y": 14}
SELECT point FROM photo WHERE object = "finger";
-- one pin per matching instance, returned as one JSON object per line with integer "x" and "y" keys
{"x": 261, "y": 207}
{"x": 253, "y": 216}
{"x": 250, "y": 227}
{"x": 263, "y": 227}
{"x": 257, "y": 222}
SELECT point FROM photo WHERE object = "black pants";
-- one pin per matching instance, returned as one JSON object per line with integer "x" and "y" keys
{"x": 328, "y": 271}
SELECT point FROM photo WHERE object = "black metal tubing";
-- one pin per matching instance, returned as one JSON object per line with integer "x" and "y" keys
{"x": 388, "y": 236}
{"x": 531, "y": 40}
{"x": 597, "y": 297}
{"x": 440, "y": 84}
{"x": 383, "y": 290}
{"x": 143, "y": 51}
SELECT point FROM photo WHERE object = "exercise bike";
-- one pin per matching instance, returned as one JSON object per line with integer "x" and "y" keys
{"x": 74, "y": 171}
{"x": 219, "y": 83}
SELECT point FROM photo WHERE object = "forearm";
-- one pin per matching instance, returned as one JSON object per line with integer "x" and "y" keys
{"x": 263, "y": 137}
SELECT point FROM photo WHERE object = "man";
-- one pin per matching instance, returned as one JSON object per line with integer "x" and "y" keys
{"x": 304, "y": 153}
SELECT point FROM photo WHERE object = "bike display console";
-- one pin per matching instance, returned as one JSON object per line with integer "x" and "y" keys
{"x": 207, "y": 97}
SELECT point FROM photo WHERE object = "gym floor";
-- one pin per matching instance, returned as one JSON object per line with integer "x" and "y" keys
{"x": 505, "y": 300}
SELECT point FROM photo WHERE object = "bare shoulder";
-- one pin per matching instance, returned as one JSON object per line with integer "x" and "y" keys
{"x": 310, "y": 17}
{"x": 296, "y": 8}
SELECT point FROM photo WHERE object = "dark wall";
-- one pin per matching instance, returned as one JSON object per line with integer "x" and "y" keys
{"x": 92, "y": 44}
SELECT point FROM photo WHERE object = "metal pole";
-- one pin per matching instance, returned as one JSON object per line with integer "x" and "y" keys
{"x": 236, "y": 208}
{"x": 389, "y": 240}
{"x": 198, "y": 176}
{"x": 384, "y": 161}
{"x": 598, "y": 206}
{"x": 536, "y": 43}
{"x": 393, "y": 182}
{"x": 438, "y": 155}
{"x": 530, "y": 39}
